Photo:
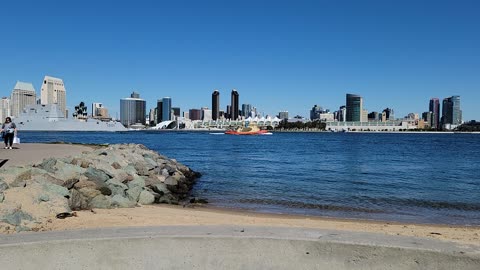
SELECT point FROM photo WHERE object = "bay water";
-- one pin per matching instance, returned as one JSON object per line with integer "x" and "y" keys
{"x": 423, "y": 178}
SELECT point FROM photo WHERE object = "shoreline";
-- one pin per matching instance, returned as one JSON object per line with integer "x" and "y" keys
{"x": 171, "y": 215}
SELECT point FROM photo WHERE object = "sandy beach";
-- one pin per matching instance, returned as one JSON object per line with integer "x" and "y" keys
{"x": 168, "y": 215}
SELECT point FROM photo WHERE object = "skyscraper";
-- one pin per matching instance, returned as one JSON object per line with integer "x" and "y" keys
{"x": 434, "y": 107}
{"x": 4, "y": 108}
{"x": 53, "y": 92}
{"x": 215, "y": 105}
{"x": 95, "y": 107}
{"x": 246, "y": 109}
{"x": 234, "y": 105}
{"x": 23, "y": 94}
{"x": 451, "y": 112}
{"x": 167, "y": 109}
{"x": 195, "y": 114}
{"x": 159, "y": 110}
{"x": 133, "y": 110}
{"x": 354, "y": 107}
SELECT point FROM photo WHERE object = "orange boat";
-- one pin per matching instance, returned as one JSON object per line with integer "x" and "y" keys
{"x": 253, "y": 130}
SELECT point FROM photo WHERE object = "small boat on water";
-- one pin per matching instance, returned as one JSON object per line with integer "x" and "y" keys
{"x": 251, "y": 130}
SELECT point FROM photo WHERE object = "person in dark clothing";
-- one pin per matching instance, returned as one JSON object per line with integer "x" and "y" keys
{"x": 9, "y": 129}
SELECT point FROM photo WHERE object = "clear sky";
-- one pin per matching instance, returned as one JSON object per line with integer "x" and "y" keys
{"x": 279, "y": 55}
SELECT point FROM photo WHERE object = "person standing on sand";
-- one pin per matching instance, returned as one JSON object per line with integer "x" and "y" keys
{"x": 9, "y": 130}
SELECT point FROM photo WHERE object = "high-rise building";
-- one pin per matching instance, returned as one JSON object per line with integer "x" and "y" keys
{"x": 151, "y": 117}
{"x": 53, "y": 92}
{"x": 246, "y": 109}
{"x": 133, "y": 110}
{"x": 234, "y": 105}
{"x": 195, "y": 114}
{"x": 95, "y": 107}
{"x": 315, "y": 112}
{"x": 206, "y": 114}
{"x": 451, "y": 112}
{"x": 23, "y": 94}
{"x": 216, "y": 105}
{"x": 364, "y": 117}
{"x": 429, "y": 118}
{"x": 227, "y": 113}
{"x": 373, "y": 116}
{"x": 176, "y": 111}
{"x": 342, "y": 114}
{"x": 354, "y": 108}
{"x": 283, "y": 115}
{"x": 186, "y": 115}
{"x": 4, "y": 108}
{"x": 166, "y": 109}
{"x": 159, "y": 110}
{"x": 434, "y": 107}
{"x": 388, "y": 115}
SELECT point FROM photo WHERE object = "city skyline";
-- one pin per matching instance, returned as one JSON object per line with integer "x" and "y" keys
{"x": 280, "y": 56}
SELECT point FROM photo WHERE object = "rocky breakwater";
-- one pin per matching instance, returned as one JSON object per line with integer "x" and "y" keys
{"x": 123, "y": 175}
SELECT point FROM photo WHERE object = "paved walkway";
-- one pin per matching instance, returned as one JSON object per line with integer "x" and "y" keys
{"x": 23, "y": 154}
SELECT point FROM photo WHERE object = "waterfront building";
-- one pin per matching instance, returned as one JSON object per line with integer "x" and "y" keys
{"x": 221, "y": 115}
{"x": 186, "y": 115}
{"x": 95, "y": 107}
{"x": 283, "y": 115}
{"x": 315, "y": 112}
{"x": 354, "y": 106}
{"x": 4, "y": 108}
{"x": 434, "y": 107}
{"x": 451, "y": 112}
{"x": 151, "y": 117}
{"x": 429, "y": 118}
{"x": 133, "y": 110}
{"x": 246, "y": 109}
{"x": 176, "y": 111}
{"x": 388, "y": 115}
{"x": 166, "y": 109}
{"x": 206, "y": 114}
{"x": 23, "y": 94}
{"x": 159, "y": 110}
{"x": 195, "y": 114}
{"x": 342, "y": 114}
{"x": 216, "y": 105}
{"x": 53, "y": 92}
{"x": 326, "y": 116}
{"x": 364, "y": 116}
{"x": 227, "y": 113}
{"x": 234, "y": 109}
{"x": 373, "y": 116}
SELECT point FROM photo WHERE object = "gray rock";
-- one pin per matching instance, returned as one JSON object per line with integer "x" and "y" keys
{"x": 48, "y": 164}
{"x": 2, "y": 197}
{"x": 168, "y": 199}
{"x": 100, "y": 201}
{"x": 97, "y": 176}
{"x": 89, "y": 193}
{"x": 77, "y": 200}
{"x": 141, "y": 168}
{"x": 3, "y": 185}
{"x": 56, "y": 189}
{"x": 134, "y": 192}
{"x": 137, "y": 181}
{"x": 161, "y": 189}
{"x": 43, "y": 198}
{"x": 122, "y": 202}
{"x": 117, "y": 187}
{"x": 146, "y": 198}
{"x": 70, "y": 183}
{"x": 171, "y": 181}
{"x": 116, "y": 165}
{"x": 15, "y": 217}
{"x": 165, "y": 173}
{"x": 105, "y": 191}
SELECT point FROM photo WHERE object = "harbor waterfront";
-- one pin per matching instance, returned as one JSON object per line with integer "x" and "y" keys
{"x": 422, "y": 178}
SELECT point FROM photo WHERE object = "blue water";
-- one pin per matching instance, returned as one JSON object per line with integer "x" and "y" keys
{"x": 426, "y": 178}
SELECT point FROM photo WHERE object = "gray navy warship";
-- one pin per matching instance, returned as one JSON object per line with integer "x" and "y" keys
{"x": 48, "y": 117}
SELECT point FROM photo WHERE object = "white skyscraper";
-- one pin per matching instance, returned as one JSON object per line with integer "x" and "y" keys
{"x": 23, "y": 94}
{"x": 53, "y": 92}
{"x": 4, "y": 108}
{"x": 95, "y": 108}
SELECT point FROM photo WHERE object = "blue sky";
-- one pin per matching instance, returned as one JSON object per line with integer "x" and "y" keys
{"x": 279, "y": 55}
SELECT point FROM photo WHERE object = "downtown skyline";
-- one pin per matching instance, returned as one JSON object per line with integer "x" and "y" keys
{"x": 279, "y": 56}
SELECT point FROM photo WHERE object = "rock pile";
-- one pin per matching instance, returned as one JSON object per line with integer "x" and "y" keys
{"x": 121, "y": 175}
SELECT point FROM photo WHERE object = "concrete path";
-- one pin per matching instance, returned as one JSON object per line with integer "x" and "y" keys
{"x": 229, "y": 247}
{"x": 23, "y": 154}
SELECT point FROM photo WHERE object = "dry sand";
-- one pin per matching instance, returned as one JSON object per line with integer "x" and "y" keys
{"x": 158, "y": 215}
